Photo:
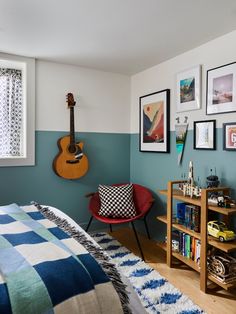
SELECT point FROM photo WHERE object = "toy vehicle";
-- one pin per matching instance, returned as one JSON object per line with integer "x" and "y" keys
{"x": 219, "y": 230}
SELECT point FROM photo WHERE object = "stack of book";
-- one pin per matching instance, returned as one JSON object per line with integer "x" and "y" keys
{"x": 189, "y": 216}
{"x": 188, "y": 246}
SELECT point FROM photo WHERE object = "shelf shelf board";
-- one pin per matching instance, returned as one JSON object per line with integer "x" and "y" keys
{"x": 223, "y": 246}
{"x": 186, "y": 230}
{"x": 178, "y": 195}
{"x": 222, "y": 210}
{"x": 186, "y": 261}
{"x": 180, "y": 227}
{"x": 162, "y": 245}
{"x": 226, "y": 286}
{"x": 162, "y": 218}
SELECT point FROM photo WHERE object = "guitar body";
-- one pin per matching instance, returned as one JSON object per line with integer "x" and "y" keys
{"x": 70, "y": 163}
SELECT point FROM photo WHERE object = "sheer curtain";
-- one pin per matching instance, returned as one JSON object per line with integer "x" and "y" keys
{"x": 11, "y": 113}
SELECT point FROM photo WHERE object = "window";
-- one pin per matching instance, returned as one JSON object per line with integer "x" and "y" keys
{"x": 17, "y": 110}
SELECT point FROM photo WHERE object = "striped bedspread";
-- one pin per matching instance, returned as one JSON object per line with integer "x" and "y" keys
{"x": 44, "y": 270}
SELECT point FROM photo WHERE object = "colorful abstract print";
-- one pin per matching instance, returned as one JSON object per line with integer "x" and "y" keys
{"x": 153, "y": 122}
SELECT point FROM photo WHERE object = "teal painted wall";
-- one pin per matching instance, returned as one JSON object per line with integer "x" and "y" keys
{"x": 109, "y": 162}
{"x": 154, "y": 170}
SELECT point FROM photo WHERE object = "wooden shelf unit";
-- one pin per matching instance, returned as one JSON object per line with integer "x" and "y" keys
{"x": 175, "y": 194}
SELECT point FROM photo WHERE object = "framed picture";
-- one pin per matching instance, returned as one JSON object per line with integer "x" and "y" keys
{"x": 154, "y": 122}
{"x": 221, "y": 82}
{"x": 204, "y": 135}
{"x": 229, "y": 136}
{"x": 188, "y": 89}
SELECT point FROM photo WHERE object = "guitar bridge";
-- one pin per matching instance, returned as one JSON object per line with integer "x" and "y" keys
{"x": 74, "y": 161}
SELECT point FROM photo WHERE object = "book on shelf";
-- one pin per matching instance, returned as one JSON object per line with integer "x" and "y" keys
{"x": 189, "y": 216}
{"x": 188, "y": 246}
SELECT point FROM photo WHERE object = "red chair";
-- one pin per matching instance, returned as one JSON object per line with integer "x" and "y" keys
{"x": 143, "y": 201}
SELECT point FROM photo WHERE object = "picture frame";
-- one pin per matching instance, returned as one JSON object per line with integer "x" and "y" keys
{"x": 154, "y": 122}
{"x": 229, "y": 136}
{"x": 204, "y": 135}
{"x": 221, "y": 82}
{"x": 188, "y": 89}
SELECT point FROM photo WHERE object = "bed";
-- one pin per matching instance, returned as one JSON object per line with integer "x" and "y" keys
{"x": 49, "y": 264}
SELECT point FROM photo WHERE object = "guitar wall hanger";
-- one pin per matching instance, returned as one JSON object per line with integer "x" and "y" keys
{"x": 70, "y": 162}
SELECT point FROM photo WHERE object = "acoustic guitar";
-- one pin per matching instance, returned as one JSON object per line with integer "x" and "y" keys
{"x": 70, "y": 162}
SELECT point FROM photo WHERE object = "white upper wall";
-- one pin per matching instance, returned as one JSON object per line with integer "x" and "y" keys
{"x": 102, "y": 99}
{"x": 210, "y": 55}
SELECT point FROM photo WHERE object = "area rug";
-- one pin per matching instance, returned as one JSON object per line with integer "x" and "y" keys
{"x": 155, "y": 292}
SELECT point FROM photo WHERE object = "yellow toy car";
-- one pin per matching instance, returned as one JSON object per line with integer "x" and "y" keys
{"x": 220, "y": 231}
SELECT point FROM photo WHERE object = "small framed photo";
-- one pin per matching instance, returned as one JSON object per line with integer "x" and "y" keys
{"x": 188, "y": 89}
{"x": 229, "y": 136}
{"x": 154, "y": 127}
{"x": 221, "y": 82}
{"x": 204, "y": 135}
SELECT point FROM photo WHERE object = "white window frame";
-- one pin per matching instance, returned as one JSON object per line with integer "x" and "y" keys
{"x": 27, "y": 66}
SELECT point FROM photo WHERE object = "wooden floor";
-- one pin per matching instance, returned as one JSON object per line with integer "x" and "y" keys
{"x": 182, "y": 277}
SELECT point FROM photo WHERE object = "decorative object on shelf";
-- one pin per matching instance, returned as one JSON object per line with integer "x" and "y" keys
{"x": 212, "y": 181}
{"x": 181, "y": 133}
{"x": 188, "y": 89}
{"x": 222, "y": 267}
{"x": 204, "y": 136}
{"x": 70, "y": 162}
{"x": 155, "y": 122}
{"x": 219, "y": 230}
{"x": 225, "y": 201}
{"x": 229, "y": 136}
{"x": 220, "y": 89}
{"x": 189, "y": 188}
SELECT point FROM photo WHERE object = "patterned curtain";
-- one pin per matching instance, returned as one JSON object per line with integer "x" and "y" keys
{"x": 11, "y": 112}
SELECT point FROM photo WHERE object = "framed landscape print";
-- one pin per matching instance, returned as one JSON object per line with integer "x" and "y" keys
{"x": 204, "y": 136}
{"x": 188, "y": 89}
{"x": 221, "y": 89}
{"x": 154, "y": 122}
{"x": 229, "y": 136}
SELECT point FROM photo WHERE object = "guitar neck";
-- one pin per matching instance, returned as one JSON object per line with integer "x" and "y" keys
{"x": 72, "y": 126}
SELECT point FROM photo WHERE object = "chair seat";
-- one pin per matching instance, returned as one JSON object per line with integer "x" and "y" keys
{"x": 111, "y": 220}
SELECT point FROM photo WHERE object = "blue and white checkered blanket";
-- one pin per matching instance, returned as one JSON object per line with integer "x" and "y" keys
{"x": 44, "y": 270}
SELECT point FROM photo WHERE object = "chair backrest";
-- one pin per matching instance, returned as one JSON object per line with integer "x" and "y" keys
{"x": 142, "y": 197}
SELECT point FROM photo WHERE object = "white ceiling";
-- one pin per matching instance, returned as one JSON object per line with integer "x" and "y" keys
{"x": 124, "y": 36}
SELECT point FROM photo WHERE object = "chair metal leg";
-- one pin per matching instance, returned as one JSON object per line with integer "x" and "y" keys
{"x": 89, "y": 223}
{"x": 110, "y": 228}
{"x": 136, "y": 236}
{"x": 146, "y": 226}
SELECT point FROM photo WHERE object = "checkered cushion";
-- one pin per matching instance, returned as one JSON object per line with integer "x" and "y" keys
{"x": 116, "y": 201}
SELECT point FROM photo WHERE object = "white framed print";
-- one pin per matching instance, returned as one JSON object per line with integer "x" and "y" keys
{"x": 154, "y": 122}
{"x": 221, "y": 89}
{"x": 204, "y": 134}
{"x": 188, "y": 89}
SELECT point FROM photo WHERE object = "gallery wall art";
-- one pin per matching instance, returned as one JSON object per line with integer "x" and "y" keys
{"x": 221, "y": 87}
{"x": 204, "y": 135}
{"x": 188, "y": 89}
{"x": 155, "y": 122}
{"x": 181, "y": 133}
{"x": 229, "y": 136}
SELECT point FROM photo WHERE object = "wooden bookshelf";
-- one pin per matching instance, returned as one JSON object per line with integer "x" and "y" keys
{"x": 175, "y": 194}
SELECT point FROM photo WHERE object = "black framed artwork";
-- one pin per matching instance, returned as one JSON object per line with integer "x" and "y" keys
{"x": 229, "y": 136}
{"x": 154, "y": 122}
{"x": 221, "y": 82}
{"x": 204, "y": 135}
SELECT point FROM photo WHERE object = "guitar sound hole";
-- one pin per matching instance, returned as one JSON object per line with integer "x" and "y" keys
{"x": 72, "y": 149}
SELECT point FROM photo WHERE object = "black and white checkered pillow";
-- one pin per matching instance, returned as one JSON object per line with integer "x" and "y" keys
{"x": 116, "y": 201}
